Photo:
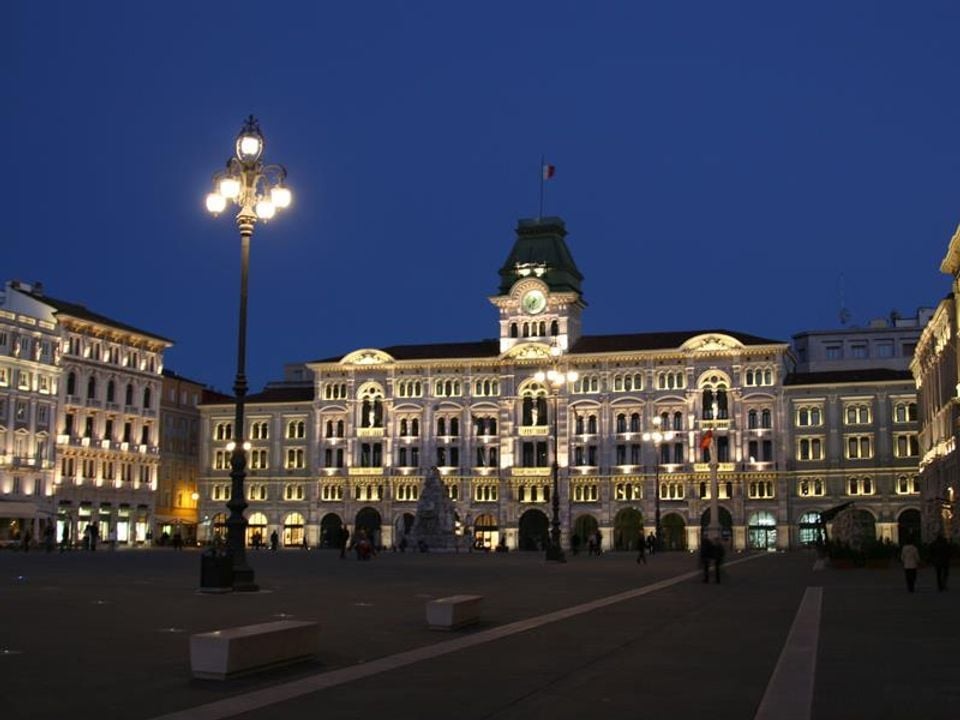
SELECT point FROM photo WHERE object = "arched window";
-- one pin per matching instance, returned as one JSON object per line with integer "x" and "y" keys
{"x": 329, "y": 428}
{"x": 526, "y": 329}
{"x": 765, "y": 419}
{"x": 664, "y": 420}
{"x": 579, "y": 425}
{"x": 92, "y": 387}
{"x": 129, "y": 396}
{"x": 543, "y": 328}
{"x": 111, "y": 391}
{"x": 441, "y": 426}
{"x": 454, "y": 426}
{"x": 592, "y": 425}
{"x": 513, "y": 330}
{"x": 415, "y": 427}
{"x": 339, "y": 428}
{"x": 72, "y": 383}
{"x": 722, "y": 403}
{"x": 635, "y": 422}
{"x": 678, "y": 421}
{"x": 707, "y": 404}
{"x": 554, "y": 328}
{"x": 403, "y": 426}
{"x": 752, "y": 420}
{"x": 621, "y": 424}
{"x": 146, "y": 398}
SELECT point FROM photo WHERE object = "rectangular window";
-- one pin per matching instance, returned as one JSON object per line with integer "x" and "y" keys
{"x": 859, "y": 447}
{"x": 812, "y": 487}
{"x": 834, "y": 352}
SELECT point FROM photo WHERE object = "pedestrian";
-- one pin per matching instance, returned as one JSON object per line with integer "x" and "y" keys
{"x": 940, "y": 555}
{"x": 718, "y": 552}
{"x": 48, "y": 537}
{"x": 344, "y": 539}
{"x": 591, "y": 544}
{"x": 112, "y": 538}
{"x": 177, "y": 540}
{"x": 94, "y": 536}
{"x": 641, "y": 546}
{"x": 652, "y": 543}
{"x": 599, "y": 545}
{"x": 274, "y": 541}
{"x": 65, "y": 538}
{"x": 910, "y": 558}
{"x": 25, "y": 540}
{"x": 706, "y": 557}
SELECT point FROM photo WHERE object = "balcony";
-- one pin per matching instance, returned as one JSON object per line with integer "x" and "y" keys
{"x": 534, "y": 430}
{"x": 115, "y": 407}
{"x": 74, "y": 400}
{"x": 149, "y": 412}
{"x": 130, "y": 409}
{"x": 370, "y": 432}
{"x": 721, "y": 467}
{"x": 716, "y": 424}
{"x": 365, "y": 471}
{"x": 530, "y": 472}
{"x": 93, "y": 402}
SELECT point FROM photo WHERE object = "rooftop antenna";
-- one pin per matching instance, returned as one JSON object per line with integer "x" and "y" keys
{"x": 844, "y": 313}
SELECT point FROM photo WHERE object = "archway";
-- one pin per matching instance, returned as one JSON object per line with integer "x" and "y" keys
{"x": 627, "y": 529}
{"x": 908, "y": 526}
{"x": 534, "y": 530}
{"x": 811, "y": 528}
{"x": 486, "y": 534}
{"x": 293, "y": 530}
{"x": 726, "y": 523}
{"x": 257, "y": 523}
{"x": 762, "y": 531}
{"x": 367, "y": 525}
{"x": 584, "y": 528}
{"x": 330, "y": 530}
{"x": 673, "y": 531}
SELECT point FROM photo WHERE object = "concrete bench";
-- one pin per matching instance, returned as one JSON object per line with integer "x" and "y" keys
{"x": 453, "y": 612}
{"x": 222, "y": 654}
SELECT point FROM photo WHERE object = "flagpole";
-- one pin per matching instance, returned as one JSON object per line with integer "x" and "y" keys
{"x": 540, "y": 211}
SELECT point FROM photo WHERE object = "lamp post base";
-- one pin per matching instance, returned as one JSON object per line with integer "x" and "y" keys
{"x": 243, "y": 581}
{"x": 555, "y": 554}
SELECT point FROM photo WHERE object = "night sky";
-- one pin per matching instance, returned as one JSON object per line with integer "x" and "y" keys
{"x": 718, "y": 164}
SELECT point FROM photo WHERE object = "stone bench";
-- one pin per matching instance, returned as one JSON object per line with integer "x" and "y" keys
{"x": 453, "y": 612}
{"x": 223, "y": 654}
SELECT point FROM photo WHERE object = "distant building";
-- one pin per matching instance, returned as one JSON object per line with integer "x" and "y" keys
{"x": 29, "y": 403}
{"x": 885, "y": 343}
{"x": 348, "y": 440}
{"x": 176, "y": 496}
{"x": 107, "y": 432}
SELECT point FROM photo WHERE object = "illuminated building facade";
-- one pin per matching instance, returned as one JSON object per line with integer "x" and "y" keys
{"x": 349, "y": 439}
{"x": 29, "y": 383}
{"x": 938, "y": 388}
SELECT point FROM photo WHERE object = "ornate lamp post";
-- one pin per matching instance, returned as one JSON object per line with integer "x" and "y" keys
{"x": 657, "y": 437}
{"x": 556, "y": 378}
{"x": 258, "y": 190}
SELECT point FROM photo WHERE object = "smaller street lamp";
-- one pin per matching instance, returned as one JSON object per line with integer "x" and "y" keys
{"x": 556, "y": 379}
{"x": 657, "y": 437}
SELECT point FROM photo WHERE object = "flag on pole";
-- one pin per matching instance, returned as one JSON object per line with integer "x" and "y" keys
{"x": 706, "y": 440}
{"x": 549, "y": 171}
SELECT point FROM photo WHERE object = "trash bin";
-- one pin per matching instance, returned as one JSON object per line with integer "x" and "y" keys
{"x": 216, "y": 571}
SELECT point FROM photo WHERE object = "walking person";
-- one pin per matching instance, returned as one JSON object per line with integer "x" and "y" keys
{"x": 652, "y": 544}
{"x": 344, "y": 538}
{"x": 910, "y": 557}
{"x": 641, "y": 549}
{"x": 940, "y": 555}
{"x": 48, "y": 537}
{"x": 65, "y": 538}
{"x": 274, "y": 541}
{"x": 706, "y": 557}
{"x": 718, "y": 552}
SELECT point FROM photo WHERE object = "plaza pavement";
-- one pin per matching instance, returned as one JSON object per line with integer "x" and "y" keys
{"x": 105, "y": 635}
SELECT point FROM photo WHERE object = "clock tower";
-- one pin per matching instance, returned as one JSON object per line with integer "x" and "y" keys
{"x": 540, "y": 299}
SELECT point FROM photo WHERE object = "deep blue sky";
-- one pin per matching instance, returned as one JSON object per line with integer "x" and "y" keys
{"x": 718, "y": 164}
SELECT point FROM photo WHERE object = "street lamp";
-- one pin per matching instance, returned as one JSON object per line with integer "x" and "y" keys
{"x": 258, "y": 190}
{"x": 657, "y": 437}
{"x": 556, "y": 378}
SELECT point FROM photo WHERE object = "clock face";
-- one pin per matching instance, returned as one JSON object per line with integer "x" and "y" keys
{"x": 533, "y": 301}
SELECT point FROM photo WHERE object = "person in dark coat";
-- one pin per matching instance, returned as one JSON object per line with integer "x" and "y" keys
{"x": 344, "y": 539}
{"x": 641, "y": 549}
{"x": 940, "y": 555}
{"x": 706, "y": 557}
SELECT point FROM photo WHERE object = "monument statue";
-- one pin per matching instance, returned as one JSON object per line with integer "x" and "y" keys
{"x": 433, "y": 526}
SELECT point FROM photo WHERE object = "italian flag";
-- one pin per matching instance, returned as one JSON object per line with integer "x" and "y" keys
{"x": 706, "y": 440}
